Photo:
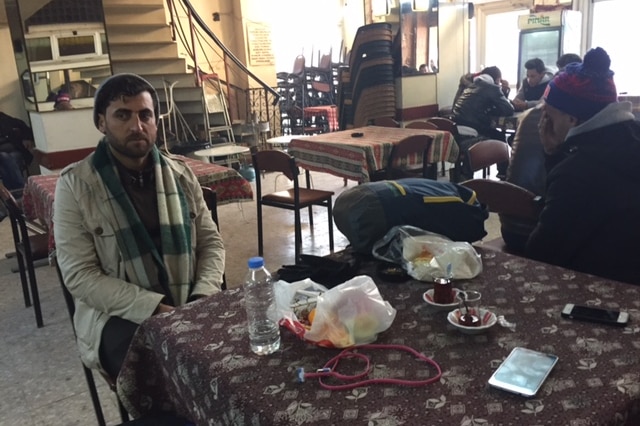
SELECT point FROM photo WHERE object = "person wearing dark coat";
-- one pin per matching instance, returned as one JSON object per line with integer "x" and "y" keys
{"x": 475, "y": 107}
{"x": 589, "y": 221}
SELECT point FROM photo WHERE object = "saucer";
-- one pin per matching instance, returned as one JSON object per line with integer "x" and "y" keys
{"x": 489, "y": 319}
{"x": 428, "y": 297}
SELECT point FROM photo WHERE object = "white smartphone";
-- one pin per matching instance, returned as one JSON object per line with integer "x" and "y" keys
{"x": 523, "y": 371}
{"x": 602, "y": 316}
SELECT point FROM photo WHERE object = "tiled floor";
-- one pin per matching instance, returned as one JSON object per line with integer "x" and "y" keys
{"x": 41, "y": 380}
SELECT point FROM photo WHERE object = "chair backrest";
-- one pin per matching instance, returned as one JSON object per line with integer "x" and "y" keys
{"x": 274, "y": 160}
{"x": 443, "y": 123}
{"x": 385, "y": 122}
{"x": 506, "y": 198}
{"x": 421, "y": 125}
{"x": 412, "y": 145}
{"x": 298, "y": 65}
{"x": 325, "y": 62}
{"x": 18, "y": 221}
{"x": 487, "y": 153}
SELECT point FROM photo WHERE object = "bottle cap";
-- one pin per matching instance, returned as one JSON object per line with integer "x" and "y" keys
{"x": 256, "y": 262}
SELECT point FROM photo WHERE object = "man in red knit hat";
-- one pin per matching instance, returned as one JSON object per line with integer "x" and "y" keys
{"x": 592, "y": 142}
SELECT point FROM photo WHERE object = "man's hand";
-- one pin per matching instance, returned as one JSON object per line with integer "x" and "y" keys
{"x": 162, "y": 308}
{"x": 519, "y": 104}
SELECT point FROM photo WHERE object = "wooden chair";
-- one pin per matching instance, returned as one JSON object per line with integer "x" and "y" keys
{"x": 506, "y": 198}
{"x": 294, "y": 199}
{"x": 484, "y": 154}
{"x": 88, "y": 375}
{"x": 28, "y": 248}
{"x": 385, "y": 122}
{"x": 412, "y": 145}
{"x": 211, "y": 199}
{"x": 421, "y": 125}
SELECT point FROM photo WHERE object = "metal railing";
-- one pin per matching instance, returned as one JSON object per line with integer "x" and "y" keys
{"x": 257, "y": 101}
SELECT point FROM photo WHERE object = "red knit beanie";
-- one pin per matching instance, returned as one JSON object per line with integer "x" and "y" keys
{"x": 583, "y": 90}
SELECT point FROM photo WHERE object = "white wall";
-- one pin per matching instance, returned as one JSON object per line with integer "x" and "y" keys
{"x": 453, "y": 49}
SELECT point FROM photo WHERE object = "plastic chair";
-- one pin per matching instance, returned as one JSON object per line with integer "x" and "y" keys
{"x": 91, "y": 384}
{"x": 486, "y": 153}
{"x": 28, "y": 248}
{"x": 294, "y": 199}
{"x": 417, "y": 145}
{"x": 211, "y": 200}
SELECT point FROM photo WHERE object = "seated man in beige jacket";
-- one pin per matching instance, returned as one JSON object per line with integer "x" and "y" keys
{"x": 133, "y": 234}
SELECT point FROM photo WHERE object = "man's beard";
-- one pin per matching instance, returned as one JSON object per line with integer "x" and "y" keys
{"x": 124, "y": 149}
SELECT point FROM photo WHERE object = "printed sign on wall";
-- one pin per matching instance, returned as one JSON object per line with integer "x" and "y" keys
{"x": 260, "y": 46}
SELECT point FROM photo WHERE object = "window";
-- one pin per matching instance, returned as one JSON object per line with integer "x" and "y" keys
{"x": 613, "y": 24}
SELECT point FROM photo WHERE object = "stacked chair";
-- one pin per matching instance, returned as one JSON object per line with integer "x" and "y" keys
{"x": 366, "y": 89}
{"x": 291, "y": 88}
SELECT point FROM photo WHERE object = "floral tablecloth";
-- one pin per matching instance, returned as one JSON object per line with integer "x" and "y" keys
{"x": 196, "y": 361}
{"x": 355, "y": 158}
{"x": 230, "y": 186}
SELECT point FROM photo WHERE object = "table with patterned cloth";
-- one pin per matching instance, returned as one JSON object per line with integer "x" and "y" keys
{"x": 39, "y": 191}
{"x": 355, "y": 158}
{"x": 196, "y": 360}
{"x": 329, "y": 112}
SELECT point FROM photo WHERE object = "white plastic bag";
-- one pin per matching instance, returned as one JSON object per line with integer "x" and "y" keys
{"x": 426, "y": 255}
{"x": 352, "y": 313}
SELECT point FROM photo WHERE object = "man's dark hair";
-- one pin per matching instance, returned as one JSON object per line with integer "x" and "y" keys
{"x": 119, "y": 85}
{"x": 567, "y": 59}
{"x": 494, "y": 72}
{"x": 535, "y": 64}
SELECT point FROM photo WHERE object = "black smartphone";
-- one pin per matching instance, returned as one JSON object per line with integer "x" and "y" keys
{"x": 602, "y": 316}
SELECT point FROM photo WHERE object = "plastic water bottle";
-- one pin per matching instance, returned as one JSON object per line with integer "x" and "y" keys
{"x": 262, "y": 321}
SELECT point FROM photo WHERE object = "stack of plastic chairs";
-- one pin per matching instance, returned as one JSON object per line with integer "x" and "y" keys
{"x": 367, "y": 88}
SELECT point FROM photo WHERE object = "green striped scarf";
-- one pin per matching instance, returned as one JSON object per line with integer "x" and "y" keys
{"x": 139, "y": 253}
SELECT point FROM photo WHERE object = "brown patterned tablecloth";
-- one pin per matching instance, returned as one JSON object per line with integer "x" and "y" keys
{"x": 355, "y": 158}
{"x": 39, "y": 191}
{"x": 196, "y": 361}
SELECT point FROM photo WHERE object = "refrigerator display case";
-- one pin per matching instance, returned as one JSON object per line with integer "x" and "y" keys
{"x": 546, "y": 36}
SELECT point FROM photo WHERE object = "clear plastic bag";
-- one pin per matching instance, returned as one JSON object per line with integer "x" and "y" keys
{"x": 426, "y": 255}
{"x": 352, "y": 313}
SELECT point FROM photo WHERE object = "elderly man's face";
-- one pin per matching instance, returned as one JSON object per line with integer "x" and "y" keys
{"x": 534, "y": 77}
{"x": 553, "y": 127}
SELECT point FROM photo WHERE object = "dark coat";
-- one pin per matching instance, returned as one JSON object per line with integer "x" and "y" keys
{"x": 478, "y": 103}
{"x": 590, "y": 219}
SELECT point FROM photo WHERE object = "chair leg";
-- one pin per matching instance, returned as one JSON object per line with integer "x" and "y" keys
{"x": 330, "y": 220}
{"x": 93, "y": 392}
{"x": 23, "y": 280}
{"x": 298, "y": 235}
{"x": 34, "y": 290}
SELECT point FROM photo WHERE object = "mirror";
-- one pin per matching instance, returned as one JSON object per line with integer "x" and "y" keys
{"x": 59, "y": 46}
{"x": 415, "y": 25}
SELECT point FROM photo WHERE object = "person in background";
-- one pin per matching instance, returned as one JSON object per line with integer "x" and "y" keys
{"x": 62, "y": 102}
{"x": 476, "y": 106}
{"x": 527, "y": 167}
{"x": 423, "y": 69}
{"x": 133, "y": 234}
{"x": 533, "y": 85}
{"x": 433, "y": 66}
{"x": 589, "y": 220}
{"x": 15, "y": 139}
{"x": 467, "y": 80}
{"x": 567, "y": 59}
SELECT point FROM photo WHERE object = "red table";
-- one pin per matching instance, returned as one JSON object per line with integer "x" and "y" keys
{"x": 355, "y": 158}
{"x": 330, "y": 112}
{"x": 39, "y": 191}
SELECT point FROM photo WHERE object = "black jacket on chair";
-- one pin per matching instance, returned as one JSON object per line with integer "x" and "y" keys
{"x": 590, "y": 219}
